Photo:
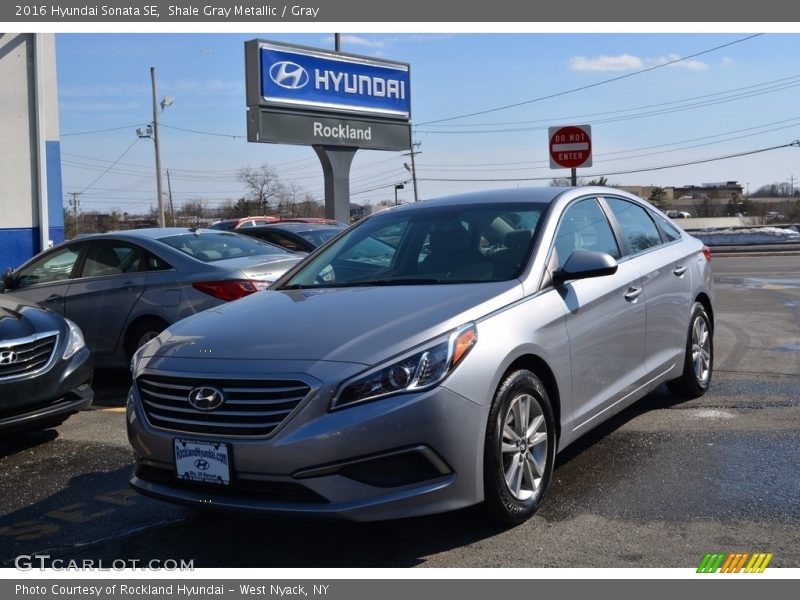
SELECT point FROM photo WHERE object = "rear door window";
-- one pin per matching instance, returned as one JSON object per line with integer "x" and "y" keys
{"x": 638, "y": 229}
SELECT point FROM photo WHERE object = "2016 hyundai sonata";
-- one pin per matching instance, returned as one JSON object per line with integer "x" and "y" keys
{"x": 434, "y": 356}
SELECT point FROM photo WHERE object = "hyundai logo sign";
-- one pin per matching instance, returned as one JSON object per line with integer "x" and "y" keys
{"x": 201, "y": 464}
{"x": 288, "y": 75}
{"x": 294, "y": 77}
{"x": 206, "y": 398}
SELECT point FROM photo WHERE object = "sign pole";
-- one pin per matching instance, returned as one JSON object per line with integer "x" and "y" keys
{"x": 574, "y": 176}
{"x": 336, "y": 161}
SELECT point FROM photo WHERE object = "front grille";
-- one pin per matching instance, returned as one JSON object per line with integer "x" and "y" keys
{"x": 251, "y": 407}
{"x": 26, "y": 355}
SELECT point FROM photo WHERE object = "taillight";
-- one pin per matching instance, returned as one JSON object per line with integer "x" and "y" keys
{"x": 227, "y": 290}
{"x": 707, "y": 253}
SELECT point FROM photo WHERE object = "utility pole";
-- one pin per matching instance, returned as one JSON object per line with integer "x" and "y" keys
{"x": 171, "y": 205}
{"x": 75, "y": 203}
{"x": 413, "y": 169}
{"x": 158, "y": 150}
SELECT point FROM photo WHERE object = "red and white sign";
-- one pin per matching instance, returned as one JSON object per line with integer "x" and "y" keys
{"x": 570, "y": 146}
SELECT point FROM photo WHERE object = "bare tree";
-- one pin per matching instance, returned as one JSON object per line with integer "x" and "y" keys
{"x": 262, "y": 186}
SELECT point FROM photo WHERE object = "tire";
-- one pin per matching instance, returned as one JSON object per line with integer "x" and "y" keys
{"x": 698, "y": 362}
{"x": 142, "y": 332}
{"x": 517, "y": 471}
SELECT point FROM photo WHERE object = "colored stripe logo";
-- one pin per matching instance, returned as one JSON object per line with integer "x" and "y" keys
{"x": 737, "y": 562}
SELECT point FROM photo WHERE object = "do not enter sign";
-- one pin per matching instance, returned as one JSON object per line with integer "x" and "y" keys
{"x": 570, "y": 146}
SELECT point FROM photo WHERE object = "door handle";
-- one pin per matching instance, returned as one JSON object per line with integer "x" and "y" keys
{"x": 679, "y": 271}
{"x": 53, "y": 298}
{"x": 633, "y": 294}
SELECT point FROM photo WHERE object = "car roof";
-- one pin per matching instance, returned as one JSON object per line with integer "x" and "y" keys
{"x": 154, "y": 233}
{"x": 535, "y": 195}
{"x": 297, "y": 227}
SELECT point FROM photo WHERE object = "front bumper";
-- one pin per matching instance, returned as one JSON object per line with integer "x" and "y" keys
{"x": 404, "y": 456}
{"x": 64, "y": 389}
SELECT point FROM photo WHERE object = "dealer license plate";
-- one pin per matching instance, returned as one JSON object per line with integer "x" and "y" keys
{"x": 197, "y": 460}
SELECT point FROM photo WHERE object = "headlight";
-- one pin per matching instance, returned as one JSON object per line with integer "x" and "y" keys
{"x": 421, "y": 370}
{"x": 74, "y": 339}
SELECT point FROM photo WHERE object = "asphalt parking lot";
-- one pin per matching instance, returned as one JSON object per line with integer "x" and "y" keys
{"x": 659, "y": 485}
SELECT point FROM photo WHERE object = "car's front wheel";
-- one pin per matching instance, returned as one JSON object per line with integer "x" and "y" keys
{"x": 698, "y": 363}
{"x": 520, "y": 448}
{"x": 142, "y": 332}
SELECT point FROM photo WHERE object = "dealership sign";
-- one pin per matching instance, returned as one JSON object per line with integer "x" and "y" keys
{"x": 283, "y": 127}
{"x": 296, "y": 77}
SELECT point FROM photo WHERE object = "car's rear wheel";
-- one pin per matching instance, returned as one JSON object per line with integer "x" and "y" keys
{"x": 520, "y": 449}
{"x": 142, "y": 332}
{"x": 698, "y": 363}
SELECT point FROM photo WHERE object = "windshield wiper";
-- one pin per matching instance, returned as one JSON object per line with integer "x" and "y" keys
{"x": 382, "y": 282}
{"x": 367, "y": 283}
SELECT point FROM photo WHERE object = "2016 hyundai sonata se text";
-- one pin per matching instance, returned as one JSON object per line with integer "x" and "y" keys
{"x": 432, "y": 357}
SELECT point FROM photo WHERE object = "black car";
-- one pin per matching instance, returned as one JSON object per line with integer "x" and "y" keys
{"x": 299, "y": 237}
{"x": 45, "y": 367}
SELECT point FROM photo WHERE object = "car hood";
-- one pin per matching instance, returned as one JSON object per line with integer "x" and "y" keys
{"x": 358, "y": 325}
{"x": 20, "y": 318}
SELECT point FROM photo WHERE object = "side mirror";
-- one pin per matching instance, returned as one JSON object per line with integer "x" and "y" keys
{"x": 8, "y": 280}
{"x": 583, "y": 264}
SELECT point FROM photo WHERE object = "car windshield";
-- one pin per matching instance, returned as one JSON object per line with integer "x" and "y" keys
{"x": 320, "y": 236}
{"x": 428, "y": 245}
{"x": 211, "y": 246}
{"x": 224, "y": 225}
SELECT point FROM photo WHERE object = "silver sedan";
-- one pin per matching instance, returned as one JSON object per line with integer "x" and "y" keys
{"x": 434, "y": 356}
{"x": 123, "y": 288}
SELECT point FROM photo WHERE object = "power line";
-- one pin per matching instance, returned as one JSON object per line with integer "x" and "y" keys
{"x": 592, "y": 85}
{"x": 225, "y": 135}
{"x": 795, "y": 143}
{"x": 627, "y": 154}
{"x": 111, "y": 165}
{"x": 776, "y": 84}
{"x": 641, "y": 115}
{"x": 101, "y": 130}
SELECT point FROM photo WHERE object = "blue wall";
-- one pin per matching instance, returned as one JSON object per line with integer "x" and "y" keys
{"x": 18, "y": 244}
{"x": 55, "y": 199}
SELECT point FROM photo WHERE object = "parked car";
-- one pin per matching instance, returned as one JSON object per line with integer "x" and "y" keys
{"x": 298, "y": 237}
{"x": 45, "y": 367}
{"x": 678, "y": 214}
{"x": 123, "y": 288}
{"x": 433, "y": 356}
{"x": 242, "y": 223}
{"x": 321, "y": 220}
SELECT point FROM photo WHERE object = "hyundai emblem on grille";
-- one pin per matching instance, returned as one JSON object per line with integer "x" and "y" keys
{"x": 206, "y": 398}
{"x": 8, "y": 357}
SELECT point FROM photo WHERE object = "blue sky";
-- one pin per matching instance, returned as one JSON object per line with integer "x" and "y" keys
{"x": 737, "y": 99}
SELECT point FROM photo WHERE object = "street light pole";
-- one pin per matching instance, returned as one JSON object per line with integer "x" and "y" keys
{"x": 159, "y": 190}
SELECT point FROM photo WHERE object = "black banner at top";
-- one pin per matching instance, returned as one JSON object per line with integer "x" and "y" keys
{"x": 408, "y": 11}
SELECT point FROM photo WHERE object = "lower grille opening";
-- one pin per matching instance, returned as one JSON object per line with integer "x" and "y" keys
{"x": 386, "y": 470}
{"x": 269, "y": 491}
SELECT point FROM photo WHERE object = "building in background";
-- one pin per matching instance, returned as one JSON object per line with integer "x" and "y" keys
{"x": 31, "y": 214}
